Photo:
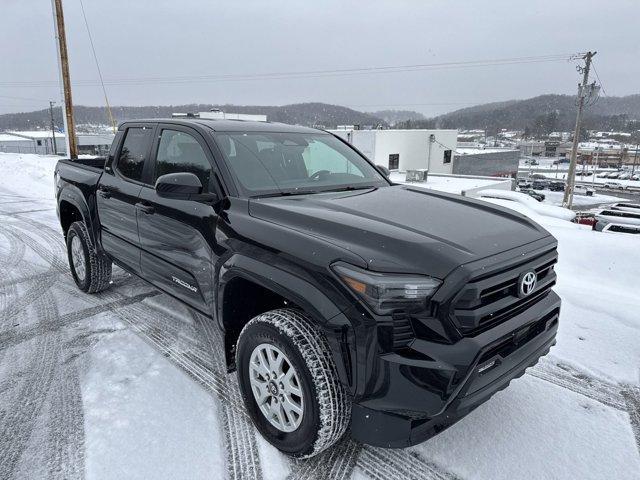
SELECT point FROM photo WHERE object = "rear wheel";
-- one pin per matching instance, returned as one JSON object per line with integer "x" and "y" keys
{"x": 90, "y": 269}
{"x": 289, "y": 383}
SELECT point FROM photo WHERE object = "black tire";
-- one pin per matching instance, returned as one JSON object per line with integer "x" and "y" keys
{"x": 97, "y": 266}
{"x": 327, "y": 406}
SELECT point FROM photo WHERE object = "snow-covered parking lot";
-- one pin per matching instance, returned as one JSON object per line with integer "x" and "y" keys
{"x": 130, "y": 384}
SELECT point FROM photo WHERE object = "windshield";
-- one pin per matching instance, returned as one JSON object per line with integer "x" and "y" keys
{"x": 295, "y": 163}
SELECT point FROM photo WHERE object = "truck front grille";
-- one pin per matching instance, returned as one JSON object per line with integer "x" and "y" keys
{"x": 492, "y": 298}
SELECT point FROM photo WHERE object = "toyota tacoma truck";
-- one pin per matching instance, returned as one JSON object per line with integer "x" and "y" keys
{"x": 346, "y": 302}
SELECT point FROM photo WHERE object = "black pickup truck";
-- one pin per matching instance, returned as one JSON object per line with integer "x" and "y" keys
{"x": 345, "y": 301}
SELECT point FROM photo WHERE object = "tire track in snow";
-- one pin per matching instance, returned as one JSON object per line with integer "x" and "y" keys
{"x": 11, "y": 338}
{"x": 578, "y": 382}
{"x": 239, "y": 432}
{"x": 384, "y": 464}
{"x": 196, "y": 349}
{"x": 631, "y": 395}
{"x": 44, "y": 382}
{"x": 66, "y": 448}
{"x": 336, "y": 463}
{"x": 18, "y": 420}
{"x": 41, "y": 284}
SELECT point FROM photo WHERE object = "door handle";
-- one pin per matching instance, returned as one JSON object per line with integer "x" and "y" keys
{"x": 148, "y": 209}
{"x": 104, "y": 191}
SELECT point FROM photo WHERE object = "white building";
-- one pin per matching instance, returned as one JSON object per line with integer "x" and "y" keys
{"x": 41, "y": 142}
{"x": 405, "y": 149}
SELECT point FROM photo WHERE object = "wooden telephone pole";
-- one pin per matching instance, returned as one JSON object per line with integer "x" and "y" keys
{"x": 63, "y": 59}
{"x": 583, "y": 92}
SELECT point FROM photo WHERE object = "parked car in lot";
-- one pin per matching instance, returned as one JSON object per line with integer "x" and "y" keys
{"x": 345, "y": 302}
{"x": 523, "y": 183}
{"x": 603, "y": 174}
{"x": 532, "y": 193}
{"x": 620, "y": 228}
{"x": 610, "y": 215}
{"x": 613, "y": 175}
{"x": 557, "y": 186}
{"x": 612, "y": 227}
{"x": 539, "y": 184}
{"x": 627, "y": 207}
{"x": 614, "y": 185}
{"x": 537, "y": 176}
{"x": 583, "y": 190}
{"x": 624, "y": 176}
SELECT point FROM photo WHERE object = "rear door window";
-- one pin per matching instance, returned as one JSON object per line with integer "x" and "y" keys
{"x": 134, "y": 152}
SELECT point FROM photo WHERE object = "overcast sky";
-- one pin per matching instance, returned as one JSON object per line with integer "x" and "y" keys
{"x": 151, "y": 39}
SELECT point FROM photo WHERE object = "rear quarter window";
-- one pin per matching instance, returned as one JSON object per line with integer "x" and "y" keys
{"x": 134, "y": 151}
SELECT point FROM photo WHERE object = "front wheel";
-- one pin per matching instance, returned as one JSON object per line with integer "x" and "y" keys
{"x": 90, "y": 269}
{"x": 289, "y": 383}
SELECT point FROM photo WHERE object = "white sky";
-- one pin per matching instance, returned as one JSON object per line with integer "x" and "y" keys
{"x": 160, "y": 38}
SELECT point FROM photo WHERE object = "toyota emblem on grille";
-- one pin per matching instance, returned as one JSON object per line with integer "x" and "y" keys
{"x": 527, "y": 284}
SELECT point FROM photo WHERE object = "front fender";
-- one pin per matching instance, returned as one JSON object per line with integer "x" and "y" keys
{"x": 301, "y": 288}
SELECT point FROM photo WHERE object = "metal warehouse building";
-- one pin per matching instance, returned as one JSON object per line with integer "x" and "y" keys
{"x": 432, "y": 150}
{"x": 405, "y": 149}
{"x": 493, "y": 162}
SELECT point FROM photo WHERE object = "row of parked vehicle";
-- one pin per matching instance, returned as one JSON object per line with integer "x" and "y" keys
{"x": 534, "y": 186}
{"x": 618, "y": 218}
{"x": 620, "y": 175}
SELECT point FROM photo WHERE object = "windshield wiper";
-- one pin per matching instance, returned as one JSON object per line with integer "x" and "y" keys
{"x": 286, "y": 193}
{"x": 351, "y": 187}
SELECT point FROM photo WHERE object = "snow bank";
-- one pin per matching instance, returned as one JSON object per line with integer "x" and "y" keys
{"x": 600, "y": 320}
{"x": 27, "y": 174}
{"x": 529, "y": 202}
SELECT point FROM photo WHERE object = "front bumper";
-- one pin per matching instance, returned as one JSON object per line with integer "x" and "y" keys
{"x": 418, "y": 396}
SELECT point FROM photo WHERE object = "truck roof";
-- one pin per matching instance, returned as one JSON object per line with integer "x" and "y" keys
{"x": 229, "y": 125}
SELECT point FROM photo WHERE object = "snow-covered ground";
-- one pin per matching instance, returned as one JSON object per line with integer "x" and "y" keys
{"x": 130, "y": 384}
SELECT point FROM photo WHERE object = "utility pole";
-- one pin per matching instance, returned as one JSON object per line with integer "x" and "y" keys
{"x": 53, "y": 129}
{"x": 63, "y": 59}
{"x": 635, "y": 158}
{"x": 582, "y": 93}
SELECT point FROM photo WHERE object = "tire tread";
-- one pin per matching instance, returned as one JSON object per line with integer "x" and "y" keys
{"x": 333, "y": 401}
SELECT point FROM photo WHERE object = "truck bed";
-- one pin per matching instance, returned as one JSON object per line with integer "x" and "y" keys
{"x": 93, "y": 163}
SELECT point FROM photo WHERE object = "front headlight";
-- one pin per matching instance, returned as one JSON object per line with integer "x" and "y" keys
{"x": 385, "y": 292}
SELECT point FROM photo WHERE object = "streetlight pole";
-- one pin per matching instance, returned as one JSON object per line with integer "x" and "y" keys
{"x": 595, "y": 164}
{"x": 53, "y": 129}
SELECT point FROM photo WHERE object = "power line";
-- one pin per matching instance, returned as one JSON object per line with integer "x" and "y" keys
{"x": 23, "y": 98}
{"x": 95, "y": 57}
{"x": 176, "y": 80}
{"x": 593, "y": 65}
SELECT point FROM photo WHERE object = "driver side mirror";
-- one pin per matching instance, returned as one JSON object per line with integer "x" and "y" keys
{"x": 383, "y": 170}
{"x": 178, "y": 185}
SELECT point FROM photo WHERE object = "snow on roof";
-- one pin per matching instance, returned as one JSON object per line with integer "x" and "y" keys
{"x": 6, "y": 137}
{"x": 477, "y": 151}
{"x": 36, "y": 133}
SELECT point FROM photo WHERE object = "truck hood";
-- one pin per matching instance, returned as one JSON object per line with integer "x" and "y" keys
{"x": 401, "y": 228}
